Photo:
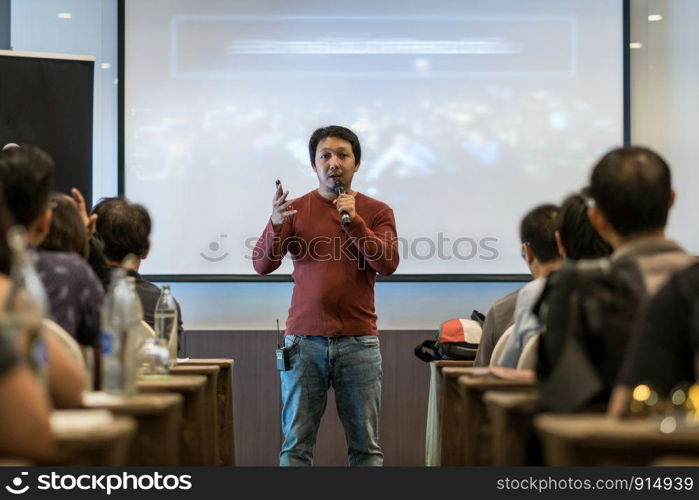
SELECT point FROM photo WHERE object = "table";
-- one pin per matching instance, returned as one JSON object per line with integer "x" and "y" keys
{"x": 476, "y": 431}
{"x": 159, "y": 419}
{"x": 90, "y": 437}
{"x": 452, "y": 432}
{"x": 193, "y": 430}
{"x": 226, "y": 415}
{"x": 211, "y": 373}
{"x": 594, "y": 439}
{"x": 511, "y": 419}
{"x": 677, "y": 461}
{"x": 434, "y": 428}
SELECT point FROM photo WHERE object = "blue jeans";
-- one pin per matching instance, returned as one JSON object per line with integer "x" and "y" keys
{"x": 352, "y": 366}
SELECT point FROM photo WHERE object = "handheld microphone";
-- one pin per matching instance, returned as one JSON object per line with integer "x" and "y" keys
{"x": 340, "y": 189}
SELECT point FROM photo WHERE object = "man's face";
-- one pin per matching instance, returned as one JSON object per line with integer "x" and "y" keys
{"x": 334, "y": 161}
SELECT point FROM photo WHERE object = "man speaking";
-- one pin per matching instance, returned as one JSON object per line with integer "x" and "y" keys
{"x": 338, "y": 240}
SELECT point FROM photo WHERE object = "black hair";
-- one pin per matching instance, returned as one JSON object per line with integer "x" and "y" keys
{"x": 538, "y": 230}
{"x": 5, "y": 224}
{"x": 334, "y": 131}
{"x": 631, "y": 186}
{"x": 578, "y": 237}
{"x": 67, "y": 233}
{"x": 123, "y": 227}
{"x": 26, "y": 175}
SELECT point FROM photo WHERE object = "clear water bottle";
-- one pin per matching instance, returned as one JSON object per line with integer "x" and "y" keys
{"x": 27, "y": 303}
{"x": 120, "y": 342}
{"x": 166, "y": 322}
{"x": 152, "y": 355}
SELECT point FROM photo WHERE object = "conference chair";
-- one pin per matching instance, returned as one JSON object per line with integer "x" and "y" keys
{"x": 67, "y": 341}
{"x": 530, "y": 354}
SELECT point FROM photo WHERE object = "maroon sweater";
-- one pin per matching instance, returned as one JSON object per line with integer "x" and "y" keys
{"x": 334, "y": 267}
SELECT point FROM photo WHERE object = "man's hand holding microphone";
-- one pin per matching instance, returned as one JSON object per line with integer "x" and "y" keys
{"x": 344, "y": 203}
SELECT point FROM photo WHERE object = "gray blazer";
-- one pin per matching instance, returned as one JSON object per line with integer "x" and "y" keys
{"x": 499, "y": 318}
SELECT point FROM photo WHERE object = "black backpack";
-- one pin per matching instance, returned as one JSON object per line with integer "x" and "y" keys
{"x": 588, "y": 311}
{"x": 451, "y": 342}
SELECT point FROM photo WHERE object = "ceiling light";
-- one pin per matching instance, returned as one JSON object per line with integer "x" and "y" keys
{"x": 635, "y": 45}
{"x": 105, "y": 65}
{"x": 655, "y": 17}
{"x": 65, "y": 15}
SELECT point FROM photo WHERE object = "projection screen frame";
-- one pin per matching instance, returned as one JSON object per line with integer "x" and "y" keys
{"x": 398, "y": 278}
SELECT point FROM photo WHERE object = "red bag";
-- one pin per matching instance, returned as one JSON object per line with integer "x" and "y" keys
{"x": 457, "y": 339}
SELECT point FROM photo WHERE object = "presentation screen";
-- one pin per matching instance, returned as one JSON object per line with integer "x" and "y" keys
{"x": 469, "y": 114}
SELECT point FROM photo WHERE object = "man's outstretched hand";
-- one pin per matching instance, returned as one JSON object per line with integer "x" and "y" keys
{"x": 280, "y": 207}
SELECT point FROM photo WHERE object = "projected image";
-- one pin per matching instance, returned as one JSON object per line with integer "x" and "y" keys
{"x": 214, "y": 251}
{"x": 467, "y": 118}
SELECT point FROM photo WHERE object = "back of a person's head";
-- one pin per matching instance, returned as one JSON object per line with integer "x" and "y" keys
{"x": 123, "y": 227}
{"x": 26, "y": 175}
{"x": 632, "y": 187}
{"x": 5, "y": 224}
{"x": 578, "y": 237}
{"x": 67, "y": 233}
{"x": 538, "y": 231}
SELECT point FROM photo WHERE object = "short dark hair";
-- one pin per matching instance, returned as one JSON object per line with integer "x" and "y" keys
{"x": 26, "y": 176}
{"x": 538, "y": 230}
{"x": 67, "y": 233}
{"x": 335, "y": 131}
{"x": 578, "y": 237}
{"x": 123, "y": 227}
{"x": 632, "y": 187}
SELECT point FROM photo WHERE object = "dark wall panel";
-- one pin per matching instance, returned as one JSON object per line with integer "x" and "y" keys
{"x": 256, "y": 398}
{"x": 5, "y": 37}
{"x": 49, "y": 103}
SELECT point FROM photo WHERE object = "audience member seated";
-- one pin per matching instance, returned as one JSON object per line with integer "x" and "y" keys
{"x": 539, "y": 249}
{"x": 24, "y": 411}
{"x": 632, "y": 192}
{"x": 75, "y": 296}
{"x": 71, "y": 233}
{"x": 73, "y": 289}
{"x": 631, "y": 196}
{"x": 577, "y": 240}
{"x": 67, "y": 232}
{"x": 124, "y": 228}
{"x": 664, "y": 347}
{"x": 73, "y": 230}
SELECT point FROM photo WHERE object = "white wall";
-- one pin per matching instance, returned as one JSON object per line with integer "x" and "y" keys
{"x": 400, "y": 306}
{"x": 665, "y": 101}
